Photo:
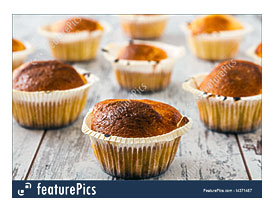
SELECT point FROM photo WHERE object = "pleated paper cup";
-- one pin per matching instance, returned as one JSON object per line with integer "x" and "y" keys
{"x": 77, "y": 46}
{"x": 251, "y": 53}
{"x": 143, "y": 27}
{"x": 226, "y": 114}
{"x": 146, "y": 76}
{"x": 134, "y": 158}
{"x": 50, "y": 109}
{"x": 217, "y": 45}
{"x": 19, "y": 57}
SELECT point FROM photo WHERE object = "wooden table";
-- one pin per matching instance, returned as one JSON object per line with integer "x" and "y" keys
{"x": 67, "y": 153}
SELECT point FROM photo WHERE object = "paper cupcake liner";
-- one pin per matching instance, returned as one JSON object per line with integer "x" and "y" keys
{"x": 216, "y": 46}
{"x": 19, "y": 57}
{"x": 143, "y": 27}
{"x": 143, "y": 82}
{"x": 134, "y": 158}
{"x": 226, "y": 114}
{"x": 133, "y": 74}
{"x": 53, "y": 109}
{"x": 251, "y": 53}
{"x": 79, "y": 46}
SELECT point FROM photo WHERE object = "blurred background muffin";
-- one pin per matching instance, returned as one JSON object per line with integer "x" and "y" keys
{"x": 258, "y": 50}
{"x": 74, "y": 39}
{"x": 215, "y": 37}
{"x": 20, "y": 51}
{"x": 255, "y": 52}
{"x": 146, "y": 66}
{"x": 143, "y": 26}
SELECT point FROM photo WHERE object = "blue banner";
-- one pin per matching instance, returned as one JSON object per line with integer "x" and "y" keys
{"x": 135, "y": 189}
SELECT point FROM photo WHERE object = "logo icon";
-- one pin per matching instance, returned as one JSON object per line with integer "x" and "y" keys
{"x": 21, "y": 192}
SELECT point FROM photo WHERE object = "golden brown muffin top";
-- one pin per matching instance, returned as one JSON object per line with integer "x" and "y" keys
{"x": 258, "y": 50}
{"x": 147, "y": 14}
{"x": 234, "y": 78}
{"x": 142, "y": 52}
{"x": 214, "y": 23}
{"x": 46, "y": 76}
{"x": 17, "y": 45}
{"x": 76, "y": 24}
{"x": 135, "y": 118}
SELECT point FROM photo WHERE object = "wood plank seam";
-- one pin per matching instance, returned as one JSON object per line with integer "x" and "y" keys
{"x": 36, "y": 152}
{"x": 243, "y": 157}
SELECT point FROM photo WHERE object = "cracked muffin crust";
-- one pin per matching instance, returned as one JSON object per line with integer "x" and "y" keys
{"x": 234, "y": 78}
{"x": 46, "y": 76}
{"x": 135, "y": 118}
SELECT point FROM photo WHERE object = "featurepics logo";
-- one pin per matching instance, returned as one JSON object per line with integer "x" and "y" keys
{"x": 222, "y": 72}
{"x": 73, "y": 190}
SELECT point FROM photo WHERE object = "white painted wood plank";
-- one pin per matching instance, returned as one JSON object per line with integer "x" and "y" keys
{"x": 25, "y": 144}
{"x": 66, "y": 154}
{"x": 251, "y": 145}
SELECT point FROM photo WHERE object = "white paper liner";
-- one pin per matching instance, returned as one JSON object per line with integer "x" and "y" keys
{"x": 52, "y": 109}
{"x": 111, "y": 52}
{"x": 226, "y": 114}
{"x": 143, "y": 19}
{"x": 251, "y": 53}
{"x": 134, "y": 158}
{"x": 76, "y": 36}
{"x": 19, "y": 57}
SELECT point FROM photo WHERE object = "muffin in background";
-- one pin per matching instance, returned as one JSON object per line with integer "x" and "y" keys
{"x": 74, "y": 39}
{"x": 48, "y": 94}
{"x": 258, "y": 50}
{"x": 215, "y": 37}
{"x": 20, "y": 51}
{"x": 134, "y": 138}
{"x": 255, "y": 52}
{"x": 143, "y": 26}
{"x": 229, "y": 98}
{"x": 143, "y": 65}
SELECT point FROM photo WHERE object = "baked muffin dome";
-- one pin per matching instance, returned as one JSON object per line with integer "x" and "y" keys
{"x": 135, "y": 118}
{"x": 76, "y": 24}
{"x": 214, "y": 23}
{"x": 46, "y": 76}
{"x": 258, "y": 50}
{"x": 17, "y": 45}
{"x": 234, "y": 78}
{"x": 142, "y": 52}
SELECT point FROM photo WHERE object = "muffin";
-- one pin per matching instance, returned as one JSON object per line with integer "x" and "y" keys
{"x": 48, "y": 94}
{"x": 143, "y": 26}
{"x": 134, "y": 138}
{"x": 74, "y": 39}
{"x": 255, "y": 52}
{"x": 142, "y": 65}
{"x": 215, "y": 37}
{"x": 230, "y": 97}
{"x": 258, "y": 50}
{"x": 20, "y": 52}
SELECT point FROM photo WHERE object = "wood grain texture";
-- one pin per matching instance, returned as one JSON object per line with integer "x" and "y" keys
{"x": 251, "y": 145}
{"x": 202, "y": 154}
{"x": 25, "y": 144}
